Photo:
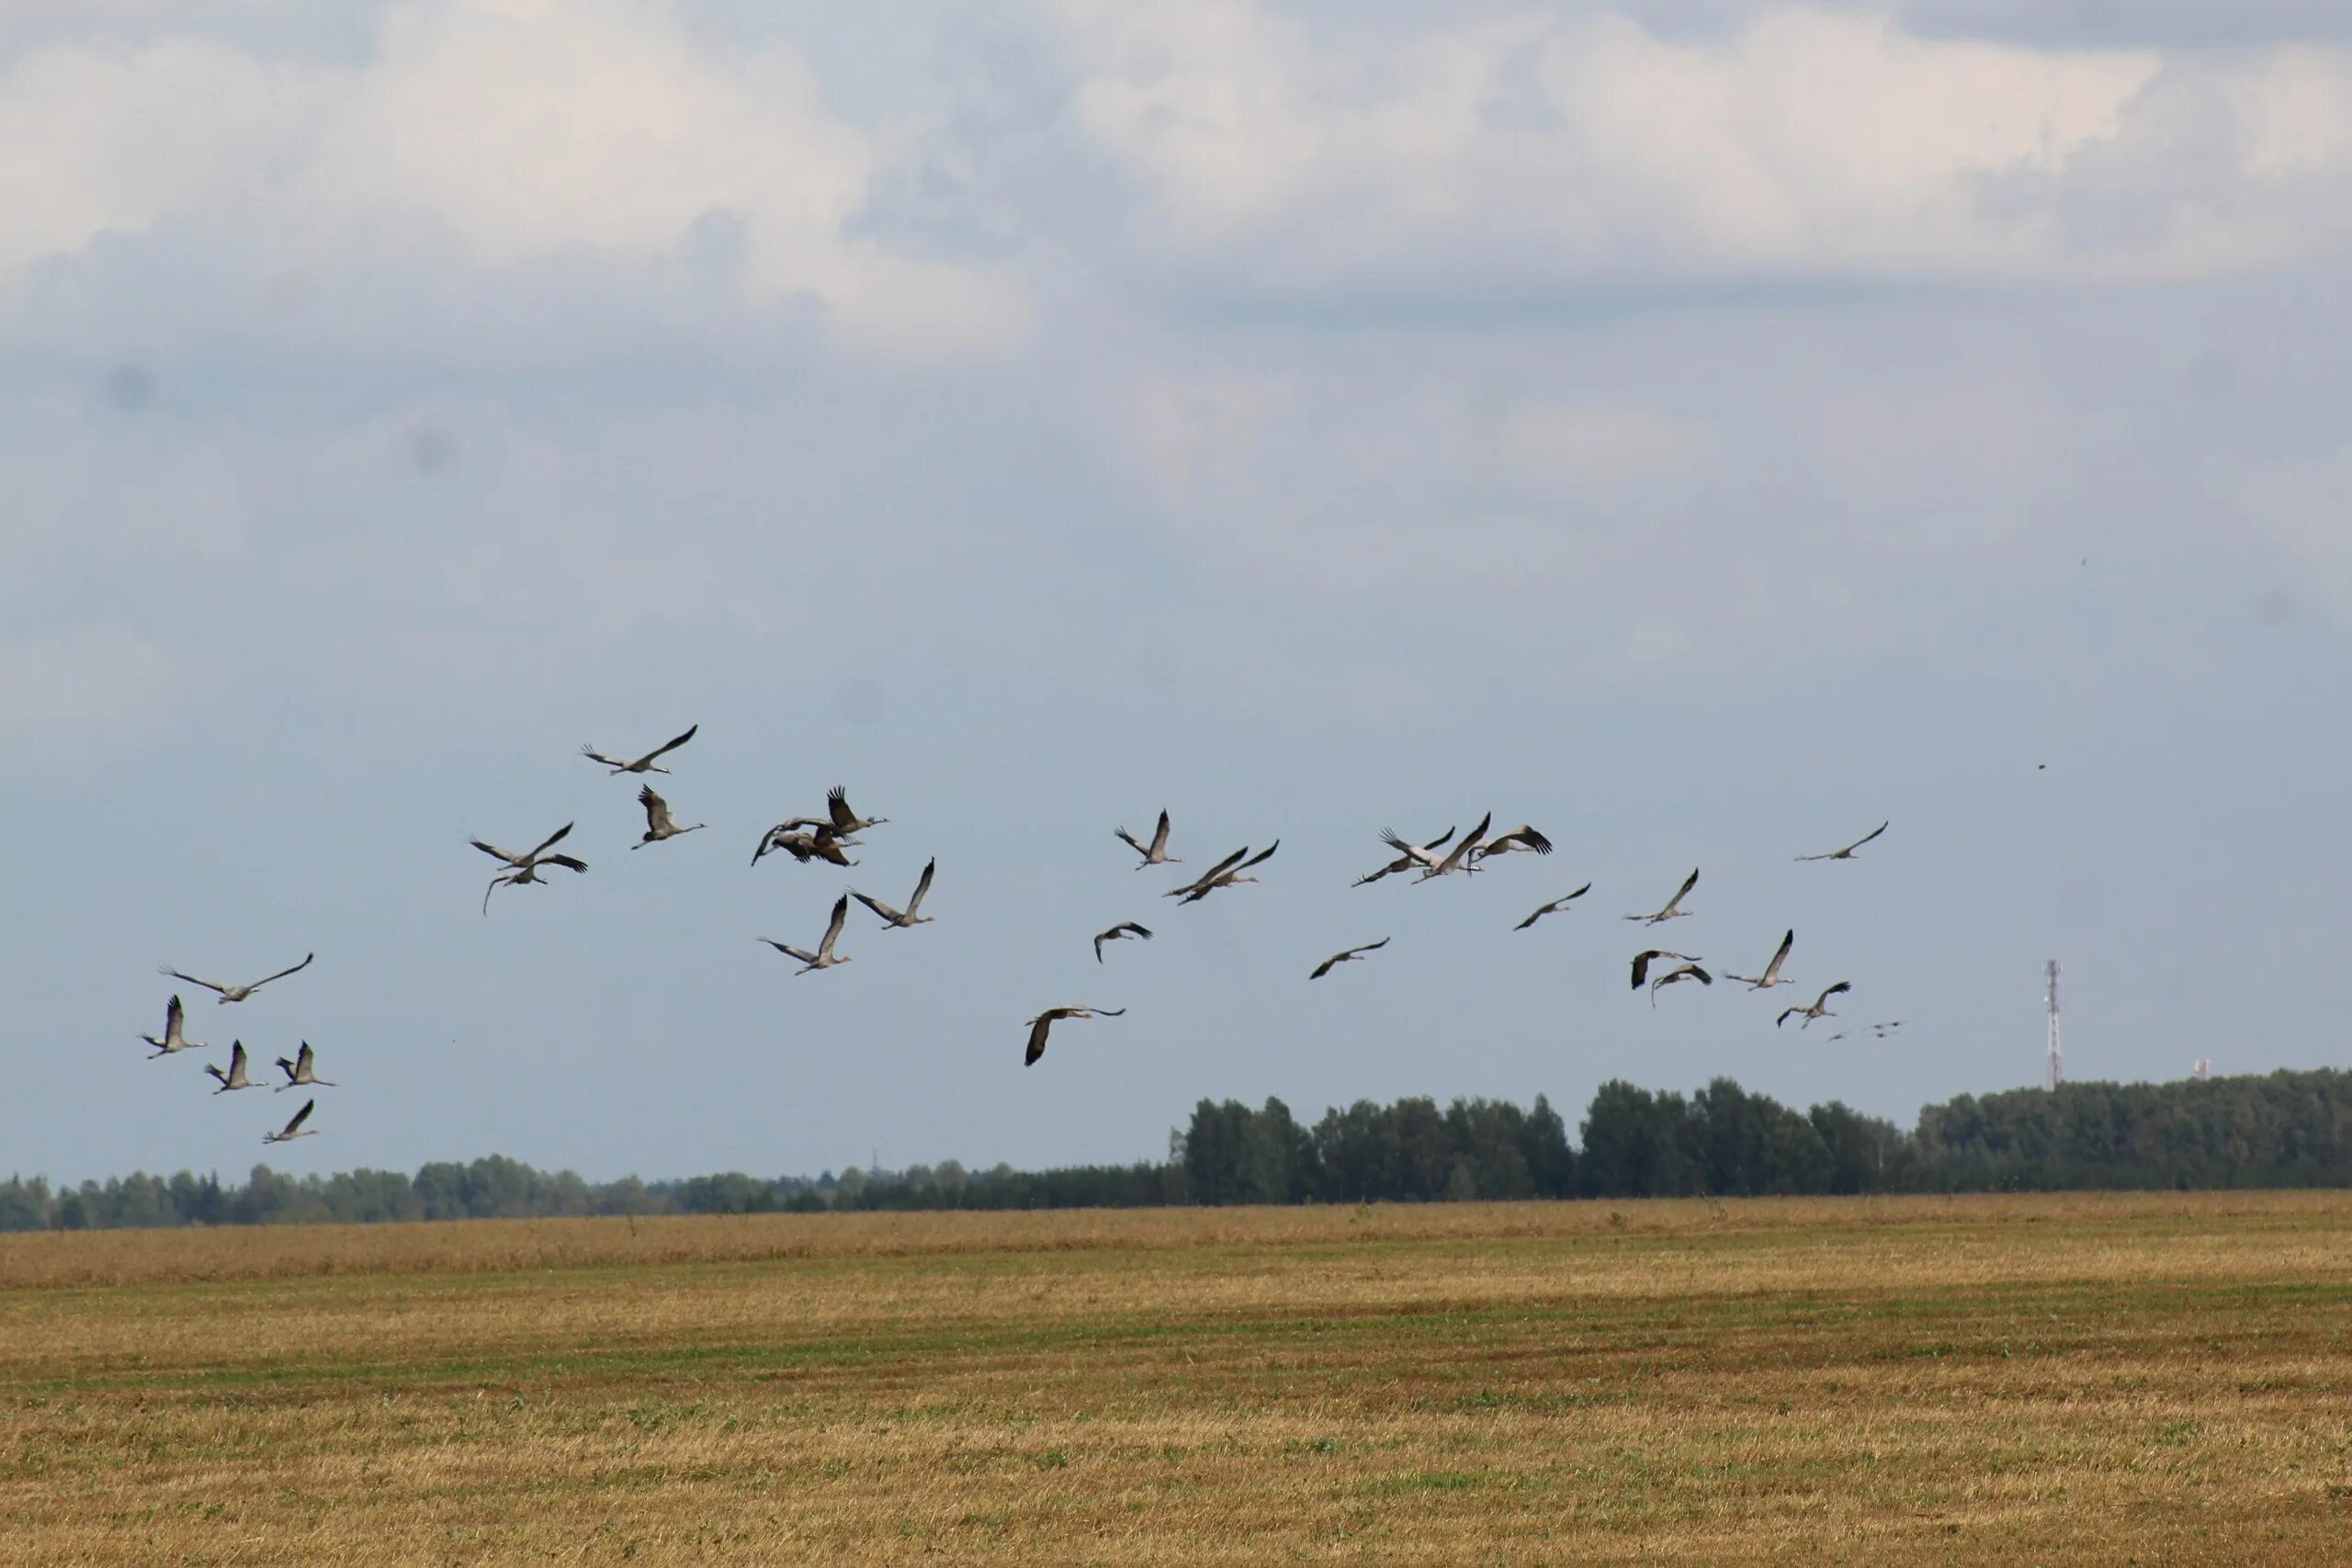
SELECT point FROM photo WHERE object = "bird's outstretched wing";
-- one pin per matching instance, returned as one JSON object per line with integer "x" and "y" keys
{"x": 923, "y": 886}
{"x": 616, "y": 763}
{"x": 890, "y": 916}
{"x": 297, "y": 969}
{"x": 670, "y": 745}
{"x": 833, "y": 927}
{"x": 208, "y": 985}
{"x": 789, "y": 951}
{"x": 1159, "y": 835}
{"x": 568, "y": 863}
{"x": 300, "y": 1117}
{"x": 657, "y": 810}
{"x": 837, "y": 802}
{"x": 551, "y": 840}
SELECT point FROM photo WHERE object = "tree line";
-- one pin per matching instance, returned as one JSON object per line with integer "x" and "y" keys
{"x": 2288, "y": 1129}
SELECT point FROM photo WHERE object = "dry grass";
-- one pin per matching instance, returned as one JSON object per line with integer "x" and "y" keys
{"x": 2066, "y": 1381}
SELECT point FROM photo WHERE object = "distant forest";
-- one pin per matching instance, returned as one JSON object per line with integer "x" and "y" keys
{"x": 2289, "y": 1129}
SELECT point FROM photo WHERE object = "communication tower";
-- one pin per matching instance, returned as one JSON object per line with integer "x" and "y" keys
{"x": 2055, "y": 1073}
{"x": 2203, "y": 1069}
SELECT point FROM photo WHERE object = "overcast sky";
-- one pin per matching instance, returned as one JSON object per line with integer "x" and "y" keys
{"x": 1702, "y": 430}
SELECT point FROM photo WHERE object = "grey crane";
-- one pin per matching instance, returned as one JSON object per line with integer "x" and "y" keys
{"x": 1520, "y": 838}
{"x": 659, "y": 823}
{"x": 1554, "y": 907}
{"x": 1820, "y": 1008}
{"x": 294, "y": 1129}
{"x": 1648, "y": 955}
{"x": 302, "y": 1071}
{"x": 846, "y": 821}
{"x": 824, "y": 957}
{"x": 1231, "y": 875}
{"x": 1847, "y": 853}
{"x": 892, "y": 918}
{"x": 1674, "y": 910}
{"x": 1155, "y": 853}
{"x": 1460, "y": 856}
{"x": 1347, "y": 955}
{"x": 173, "y": 1038}
{"x": 643, "y": 764}
{"x": 1202, "y": 882}
{"x": 1408, "y": 855}
{"x": 1772, "y": 976}
{"x": 1045, "y": 1021}
{"x": 525, "y": 868}
{"x": 235, "y": 1077}
{"x": 805, "y": 838}
{"x": 239, "y": 993}
{"x": 1687, "y": 972}
{"x": 1119, "y": 932}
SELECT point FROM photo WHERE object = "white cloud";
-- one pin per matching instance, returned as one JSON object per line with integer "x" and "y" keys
{"x": 527, "y": 130}
{"x": 1808, "y": 143}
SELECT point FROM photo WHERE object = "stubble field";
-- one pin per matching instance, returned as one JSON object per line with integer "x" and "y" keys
{"x": 2061, "y": 1380}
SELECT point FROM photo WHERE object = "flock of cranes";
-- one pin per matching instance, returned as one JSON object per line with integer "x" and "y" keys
{"x": 830, "y": 837}
{"x": 300, "y": 1070}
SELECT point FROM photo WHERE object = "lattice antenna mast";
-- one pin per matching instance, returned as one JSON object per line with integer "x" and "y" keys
{"x": 2054, "y": 1071}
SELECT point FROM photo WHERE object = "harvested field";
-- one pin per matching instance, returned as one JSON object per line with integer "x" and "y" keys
{"x": 2061, "y": 1380}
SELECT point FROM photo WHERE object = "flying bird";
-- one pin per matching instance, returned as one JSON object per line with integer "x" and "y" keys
{"x": 1820, "y": 1008}
{"x": 643, "y": 764}
{"x": 1408, "y": 855}
{"x": 235, "y": 1077}
{"x": 1847, "y": 853}
{"x": 893, "y": 917}
{"x": 658, "y": 824}
{"x": 1520, "y": 838}
{"x": 1201, "y": 883}
{"x": 175, "y": 1020}
{"x": 302, "y": 1071}
{"x": 239, "y": 993}
{"x": 294, "y": 1129}
{"x": 1228, "y": 877}
{"x": 1045, "y": 1021}
{"x": 1459, "y": 860}
{"x": 525, "y": 867}
{"x": 846, "y": 821}
{"x": 1124, "y": 929}
{"x": 805, "y": 838}
{"x": 1157, "y": 852}
{"x": 1554, "y": 907}
{"x": 1673, "y": 910}
{"x": 1772, "y": 976}
{"x": 823, "y": 957}
{"x": 1687, "y": 972}
{"x": 1642, "y": 960}
{"x": 1348, "y": 957}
